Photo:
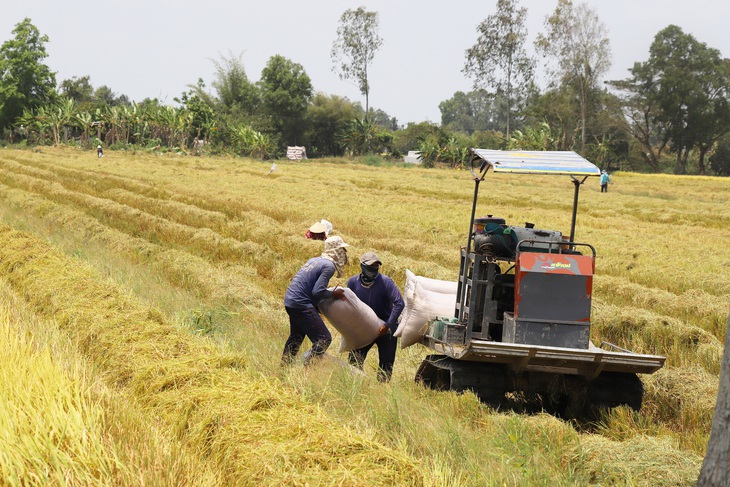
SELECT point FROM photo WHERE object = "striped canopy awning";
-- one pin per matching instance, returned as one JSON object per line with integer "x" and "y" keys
{"x": 535, "y": 162}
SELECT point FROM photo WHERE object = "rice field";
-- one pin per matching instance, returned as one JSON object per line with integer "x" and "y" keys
{"x": 156, "y": 282}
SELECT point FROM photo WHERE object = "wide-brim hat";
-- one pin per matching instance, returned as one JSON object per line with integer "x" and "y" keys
{"x": 370, "y": 258}
{"x": 333, "y": 243}
{"x": 318, "y": 227}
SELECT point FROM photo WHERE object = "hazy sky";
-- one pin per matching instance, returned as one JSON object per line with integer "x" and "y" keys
{"x": 155, "y": 48}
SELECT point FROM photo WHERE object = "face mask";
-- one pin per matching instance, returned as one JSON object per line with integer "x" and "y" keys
{"x": 369, "y": 273}
{"x": 341, "y": 261}
{"x": 338, "y": 257}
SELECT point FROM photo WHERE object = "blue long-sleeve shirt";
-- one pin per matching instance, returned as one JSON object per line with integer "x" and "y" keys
{"x": 383, "y": 297}
{"x": 309, "y": 285}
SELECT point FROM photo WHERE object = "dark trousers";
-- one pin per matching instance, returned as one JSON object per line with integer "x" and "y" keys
{"x": 604, "y": 188}
{"x": 387, "y": 345}
{"x": 305, "y": 323}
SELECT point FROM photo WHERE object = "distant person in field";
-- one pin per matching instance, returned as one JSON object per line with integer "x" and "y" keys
{"x": 605, "y": 179}
{"x": 380, "y": 293}
{"x": 317, "y": 231}
{"x": 99, "y": 152}
{"x": 306, "y": 290}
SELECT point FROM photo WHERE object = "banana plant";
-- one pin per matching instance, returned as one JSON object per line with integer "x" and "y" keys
{"x": 31, "y": 124}
{"x": 59, "y": 116}
{"x": 83, "y": 121}
{"x": 540, "y": 137}
{"x": 252, "y": 143}
{"x": 113, "y": 122}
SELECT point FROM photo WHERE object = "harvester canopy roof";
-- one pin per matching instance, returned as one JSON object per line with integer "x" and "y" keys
{"x": 535, "y": 162}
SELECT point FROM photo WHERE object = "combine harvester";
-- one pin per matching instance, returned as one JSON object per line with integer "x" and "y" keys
{"x": 523, "y": 309}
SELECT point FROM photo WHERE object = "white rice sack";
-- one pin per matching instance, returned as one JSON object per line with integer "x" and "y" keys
{"x": 356, "y": 321}
{"x": 424, "y": 285}
{"x": 408, "y": 297}
{"x": 436, "y": 285}
{"x": 425, "y": 306}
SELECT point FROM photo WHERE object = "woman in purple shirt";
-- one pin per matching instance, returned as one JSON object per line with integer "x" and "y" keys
{"x": 382, "y": 295}
{"x": 306, "y": 290}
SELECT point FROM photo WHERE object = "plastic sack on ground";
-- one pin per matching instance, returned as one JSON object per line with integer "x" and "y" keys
{"x": 327, "y": 226}
{"x": 422, "y": 306}
{"x": 356, "y": 321}
{"x": 436, "y": 285}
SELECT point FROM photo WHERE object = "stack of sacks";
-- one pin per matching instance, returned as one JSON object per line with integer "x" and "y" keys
{"x": 356, "y": 321}
{"x": 425, "y": 300}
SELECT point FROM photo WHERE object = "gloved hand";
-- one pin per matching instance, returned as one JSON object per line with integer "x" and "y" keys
{"x": 338, "y": 293}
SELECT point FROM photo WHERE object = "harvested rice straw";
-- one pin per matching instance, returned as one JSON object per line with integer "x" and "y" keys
{"x": 682, "y": 398}
{"x": 229, "y": 283}
{"x": 255, "y": 432}
{"x": 694, "y": 305}
{"x": 643, "y": 331}
{"x": 247, "y": 225}
{"x": 641, "y": 461}
{"x": 203, "y": 241}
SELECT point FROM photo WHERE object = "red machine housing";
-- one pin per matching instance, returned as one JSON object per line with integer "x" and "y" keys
{"x": 553, "y": 293}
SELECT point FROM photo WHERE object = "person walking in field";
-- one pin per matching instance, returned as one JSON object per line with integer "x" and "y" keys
{"x": 99, "y": 152}
{"x": 306, "y": 290}
{"x": 380, "y": 293}
{"x": 605, "y": 179}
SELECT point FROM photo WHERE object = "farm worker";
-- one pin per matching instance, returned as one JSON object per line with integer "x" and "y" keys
{"x": 380, "y": 293}
{"x": 99, "y": 152}
{"x": 306, "y": 290}
{"x": 317, "y": 232}
{"x": 605, "y": 178}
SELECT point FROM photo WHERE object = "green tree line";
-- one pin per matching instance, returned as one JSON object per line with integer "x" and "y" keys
{"x": 670, "y": 115}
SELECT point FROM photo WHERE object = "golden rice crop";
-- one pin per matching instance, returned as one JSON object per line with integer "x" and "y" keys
{"x": 194, "y": 389}
{"x": 60, "y": 426}
{"x": 661, "y": 287}
{"x": 49, "y": 424}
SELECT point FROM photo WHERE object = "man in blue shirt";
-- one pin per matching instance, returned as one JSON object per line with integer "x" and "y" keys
{"x": 306, "y": 290}
{"x": 382, "y": 295}
{"x": 605, "y": 179}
